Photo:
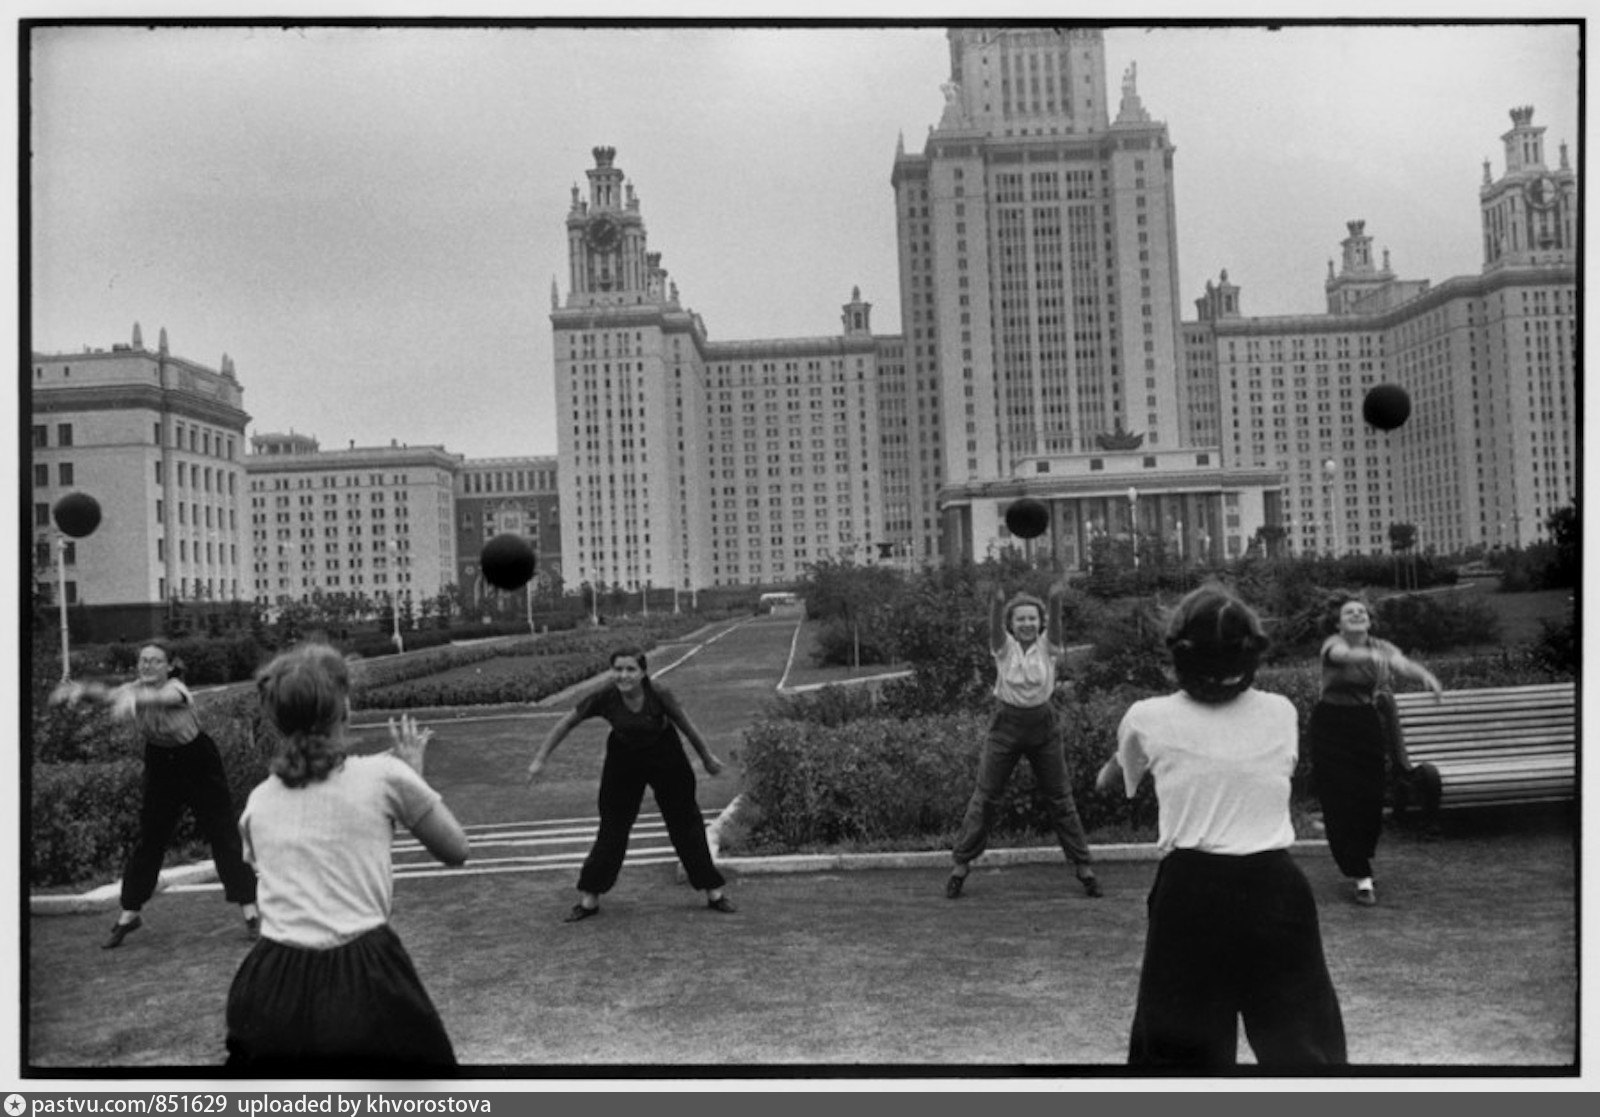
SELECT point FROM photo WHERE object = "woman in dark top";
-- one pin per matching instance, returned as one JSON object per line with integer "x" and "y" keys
{"x": 1350, "y": 739}
{"x": 643, "y": 748}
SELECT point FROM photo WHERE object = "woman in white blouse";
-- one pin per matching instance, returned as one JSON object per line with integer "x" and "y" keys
{"x": 1026, "y": 641}
{"x": 1233, "y": 930}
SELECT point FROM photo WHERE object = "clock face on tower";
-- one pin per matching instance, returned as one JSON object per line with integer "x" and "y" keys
{"x": 602, "y": 234}
{"x": 1543, "y": 192}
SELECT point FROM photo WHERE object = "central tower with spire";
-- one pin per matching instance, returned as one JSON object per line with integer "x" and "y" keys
{"x": 1039, "y": 268}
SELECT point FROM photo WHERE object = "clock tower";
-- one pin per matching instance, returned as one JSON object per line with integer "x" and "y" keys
{"x": 1530, "y": 212}
{"x": 606, "y": 240}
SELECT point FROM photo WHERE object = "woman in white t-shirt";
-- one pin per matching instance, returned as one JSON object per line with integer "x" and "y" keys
{"x": 1026, "y": 641}
{"x": 1233, "y": 929}
{"x": 329, "y": 988}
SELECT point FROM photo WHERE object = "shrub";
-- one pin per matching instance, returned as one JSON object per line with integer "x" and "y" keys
{"x": 844, "y": 643}
{"x": 881, "y": 779}
{"x": 827, "y": 706}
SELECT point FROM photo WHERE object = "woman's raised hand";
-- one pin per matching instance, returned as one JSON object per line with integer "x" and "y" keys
{"x": 409, "y": 741}
{"x": 66, "y": 693}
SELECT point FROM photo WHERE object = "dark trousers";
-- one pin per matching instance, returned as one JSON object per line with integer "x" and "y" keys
{"x": 1015, "y": 733}
{"x": 174, "y": 778}
{"x": 1348, "y": 747}
{"x": 1232, "y": 938}
{"x": 626, "y": 773}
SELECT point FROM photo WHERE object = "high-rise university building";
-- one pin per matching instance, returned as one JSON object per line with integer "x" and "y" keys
{"x": 1040, "y": 313}
{"x": 687, "y": 462}
{"x": 1042, "y": 353}
{"x": 374, "y": 522}
{"x": 158, "y": 442}
{"x": 1489, "y": 363}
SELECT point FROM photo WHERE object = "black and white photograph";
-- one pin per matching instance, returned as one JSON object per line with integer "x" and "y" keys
{"x": 733, "y": 549}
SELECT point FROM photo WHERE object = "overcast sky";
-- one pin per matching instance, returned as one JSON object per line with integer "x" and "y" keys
{"x": 369, "y": 220}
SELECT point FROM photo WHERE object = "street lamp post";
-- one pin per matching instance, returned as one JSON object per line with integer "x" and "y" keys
{"x": 61, "y": 601}
{"x": 1133, "y": 525}
{"x": 394, "y": 596}
{"x": 1329, "y": 468}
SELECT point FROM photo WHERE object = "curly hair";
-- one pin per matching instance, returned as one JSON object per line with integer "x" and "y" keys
{"x": 1335, "y": 601}
{"x": 1018, "y": 601}
{"x": 305, "y": 694}
{"x": 1216, "y": 642}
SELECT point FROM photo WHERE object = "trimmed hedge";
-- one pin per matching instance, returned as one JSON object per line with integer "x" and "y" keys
{"x": 834, "y": 767}
{"x": 877, "y": 779}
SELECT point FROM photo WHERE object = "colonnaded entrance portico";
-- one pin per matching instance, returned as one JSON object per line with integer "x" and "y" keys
{"x": 1173, "y": 506}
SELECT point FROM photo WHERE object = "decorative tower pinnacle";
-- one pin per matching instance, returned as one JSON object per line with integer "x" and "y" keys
{"x": 1132, "y": 110}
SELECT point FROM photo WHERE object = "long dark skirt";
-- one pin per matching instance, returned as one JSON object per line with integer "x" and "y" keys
{"x": 1348, "y": 746}
{"x": 1231, "y": 939}
{"x": 353, "y": 1010}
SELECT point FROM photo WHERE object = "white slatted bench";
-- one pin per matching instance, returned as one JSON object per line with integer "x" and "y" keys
{"x": 1496, "y": 744}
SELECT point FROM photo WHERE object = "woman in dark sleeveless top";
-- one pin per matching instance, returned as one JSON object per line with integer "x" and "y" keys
{"x": 643, "y": 749}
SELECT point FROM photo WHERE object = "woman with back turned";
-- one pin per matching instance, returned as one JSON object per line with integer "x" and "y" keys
{"x": 330, "y": 988}
{"x": 1233, "y": 930}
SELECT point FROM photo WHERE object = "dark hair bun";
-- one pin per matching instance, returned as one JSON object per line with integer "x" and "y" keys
{"x": 1216, "y": 642}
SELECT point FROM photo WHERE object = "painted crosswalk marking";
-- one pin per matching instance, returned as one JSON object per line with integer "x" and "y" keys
{"x": 549, "y": 845}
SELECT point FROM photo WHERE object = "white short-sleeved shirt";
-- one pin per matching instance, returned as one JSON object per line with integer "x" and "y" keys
{"x": 1025, "y": 676}
{"x": 322, "y": 852}
{"x": 1222, "y": 772}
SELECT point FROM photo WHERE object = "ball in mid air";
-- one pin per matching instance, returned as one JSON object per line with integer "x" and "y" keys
{"x": 507, "y": 562}
{"x": 1027, "y": 518}
{"x": 77, "y": 514}
{"x": 1386, "y": 407}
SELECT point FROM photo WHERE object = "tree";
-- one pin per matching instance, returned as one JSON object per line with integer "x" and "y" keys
{"x": 1272, "y": 537}
{"x": 1566, "y": 533}
{"x": 839, "y": 589}
{"x": 1403, "y": 541}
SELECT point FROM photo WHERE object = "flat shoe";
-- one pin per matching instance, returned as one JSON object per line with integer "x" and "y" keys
{"x": 952, "y": 887}
{"x": 1091, "y": 887}
{"x": 1366, "y": 896}
{"x": 579, "y": 913}
{"x": 121, "y": 931}
{"x": 722, "y": 904}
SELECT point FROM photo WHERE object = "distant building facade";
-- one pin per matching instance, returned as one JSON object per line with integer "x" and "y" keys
{"x": 1488, "y": 361}
{"x": 158, "y": 442}
{"x": 499, "y": 496}
{"x": 372, "y": 521}
{"x": 689, "y": 463}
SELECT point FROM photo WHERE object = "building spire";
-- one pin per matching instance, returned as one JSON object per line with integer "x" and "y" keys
{"x": 1132, "y": 110}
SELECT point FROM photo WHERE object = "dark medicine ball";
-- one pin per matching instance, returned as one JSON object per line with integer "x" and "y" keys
{"x": 1027, "y": 518}
{"x": 1386, "y": 407}
{"x": 507, "y": 562}
{"x": 77, "y": 514}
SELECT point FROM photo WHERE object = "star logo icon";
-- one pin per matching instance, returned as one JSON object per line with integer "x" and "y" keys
{"x": 16, "y": 1105}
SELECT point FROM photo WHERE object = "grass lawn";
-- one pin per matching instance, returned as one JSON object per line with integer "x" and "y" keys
{"x": 1469, "y": 961}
